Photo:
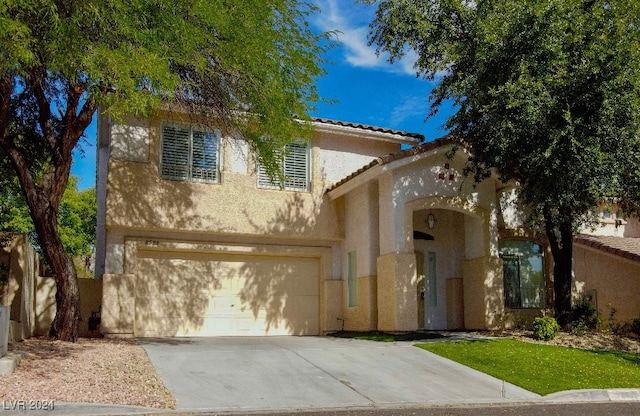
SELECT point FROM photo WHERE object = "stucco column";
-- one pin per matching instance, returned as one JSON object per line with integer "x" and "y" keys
{"x": 118, "y": 305}
{"x": 483, "y": 297}
{"x": 397, "y": 300}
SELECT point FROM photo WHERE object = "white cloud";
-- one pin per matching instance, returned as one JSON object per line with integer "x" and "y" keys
{"x": 351, "y": 22}
{"x": 410, "y": 107}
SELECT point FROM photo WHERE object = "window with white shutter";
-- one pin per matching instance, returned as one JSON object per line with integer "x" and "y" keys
{"x": 189, "y": 153}
{"x": 295, "y": 167}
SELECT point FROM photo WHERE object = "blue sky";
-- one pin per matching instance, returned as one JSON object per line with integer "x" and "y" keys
{"x": 367, "y": 88}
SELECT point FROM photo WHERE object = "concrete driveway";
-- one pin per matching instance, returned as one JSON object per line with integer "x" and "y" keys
{"x": 271, "y": 373}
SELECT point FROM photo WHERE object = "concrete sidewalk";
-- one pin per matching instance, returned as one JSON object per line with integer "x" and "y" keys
{"x": 269, "y": 373}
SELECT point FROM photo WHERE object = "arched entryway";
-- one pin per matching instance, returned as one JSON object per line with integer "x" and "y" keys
{"x": 447, "y": 240}
{"x": 439, "y": 262}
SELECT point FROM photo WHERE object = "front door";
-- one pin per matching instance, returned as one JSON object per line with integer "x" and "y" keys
{"x": 427, "y": 289}
{"x": 421, "y": 289}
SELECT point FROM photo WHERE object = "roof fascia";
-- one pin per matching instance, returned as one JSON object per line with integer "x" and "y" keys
{"x": 365, "y": 134}
{"x": 379, "y": 169}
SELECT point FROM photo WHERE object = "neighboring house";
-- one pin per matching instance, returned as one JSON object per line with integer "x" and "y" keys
{"x": 369, "y": 231}
{"x": 607, "y": 272}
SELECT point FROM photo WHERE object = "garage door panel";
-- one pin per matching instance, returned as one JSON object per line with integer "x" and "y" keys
{"x": 191, "y": 294}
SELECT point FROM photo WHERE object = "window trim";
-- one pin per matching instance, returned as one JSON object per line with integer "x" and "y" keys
{"x": 519, "y": 255}
{"x": 189, "y": 168}
{"x": 289, "y": 157}
{"x": 352, "y": 279}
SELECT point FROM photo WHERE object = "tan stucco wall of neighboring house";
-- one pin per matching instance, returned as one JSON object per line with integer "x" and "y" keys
{"x": 615, "y": 279}
{"x": 32, "y": 297}
{"x": 17, "y": 293}
{"x": 45, "y": 304}
{"x": 632, "y": 227}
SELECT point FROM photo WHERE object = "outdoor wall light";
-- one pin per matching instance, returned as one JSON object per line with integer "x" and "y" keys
{"x": 431, "y": 221}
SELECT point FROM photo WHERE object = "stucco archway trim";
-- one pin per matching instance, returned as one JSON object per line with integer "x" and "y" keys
{"x": 479, "y": 216}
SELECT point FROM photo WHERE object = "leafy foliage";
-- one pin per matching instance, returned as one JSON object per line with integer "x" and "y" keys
{"x": 545, "y": 328}
{"x": 77, "y": 216}
{"x": 584, "y": 317}
{"x": 635, "y": 326}
{"x": 547, "y": 95}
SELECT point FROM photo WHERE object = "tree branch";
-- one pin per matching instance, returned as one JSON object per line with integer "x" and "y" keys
{"x": 74, "y": 92}
{"x": 37, "y": 77}
{"x": 6, "y": 86}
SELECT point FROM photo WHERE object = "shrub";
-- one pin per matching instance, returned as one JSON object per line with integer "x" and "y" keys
{"x": 545, "y": 328}
{"x": 635, "y": 326}
{"x": 584, "y": 318}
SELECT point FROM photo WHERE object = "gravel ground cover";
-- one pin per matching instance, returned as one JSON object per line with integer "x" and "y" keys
{"x": 92, "y": 370}
{"x": 593, "y": 341}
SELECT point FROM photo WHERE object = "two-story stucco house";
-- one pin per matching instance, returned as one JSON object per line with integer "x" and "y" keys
{"x": 370, "y": 230}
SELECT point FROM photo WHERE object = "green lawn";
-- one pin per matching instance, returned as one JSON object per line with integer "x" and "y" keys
{"x": 544, "y": 369}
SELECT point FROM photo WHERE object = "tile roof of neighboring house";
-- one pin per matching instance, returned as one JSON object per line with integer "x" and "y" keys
{"x": 383, "y": 160}
{"x": 372, "y": 128}
{"x": 627, "y": 247}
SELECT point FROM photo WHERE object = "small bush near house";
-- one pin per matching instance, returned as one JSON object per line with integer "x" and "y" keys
{"x": 545, "y": 328}
{"x": 635, "y": 326}
{"x": 584, "y": 318}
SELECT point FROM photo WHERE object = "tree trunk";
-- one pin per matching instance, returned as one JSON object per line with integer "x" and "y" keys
{"x": 43, "y": 200}
{"x": 65, "y": 323}
{"x": 58, "y": 134}
{"x": 561, "y": 244}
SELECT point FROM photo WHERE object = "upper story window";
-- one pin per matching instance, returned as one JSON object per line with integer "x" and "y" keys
{"x": 295, "y": 167}
{"x": 190, "y": 153}
{"x": 524, "y": 279}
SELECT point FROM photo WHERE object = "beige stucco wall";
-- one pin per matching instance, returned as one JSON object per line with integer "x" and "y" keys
{"x": 332, "y": 296}
{"x": 118, "y": 305}
{"x": 45, "y": 304}
{"x": 339, "y": 157}
{"x": 363, "y": 316}
{"x": 414, "y": 185}
{"x": 615, "y": 279}
{"x": 236, "y": 205}
{"x": 397, "y": 303}
{"x": 483, "y": 293}
{"x": 361, "y": 229}
{"x": 361, "y": 237}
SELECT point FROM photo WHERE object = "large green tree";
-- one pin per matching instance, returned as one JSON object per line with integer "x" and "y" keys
{"x": 546, "y": 93}
{"x": 248, "y": 65}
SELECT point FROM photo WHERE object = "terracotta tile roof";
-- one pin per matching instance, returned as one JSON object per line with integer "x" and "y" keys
{"x": 417, "y": 136}
{"x": 627, "y": 247}
{"x": 383, "y": 160}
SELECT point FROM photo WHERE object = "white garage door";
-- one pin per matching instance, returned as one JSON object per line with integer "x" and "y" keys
{"x": 196, "y": 294}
